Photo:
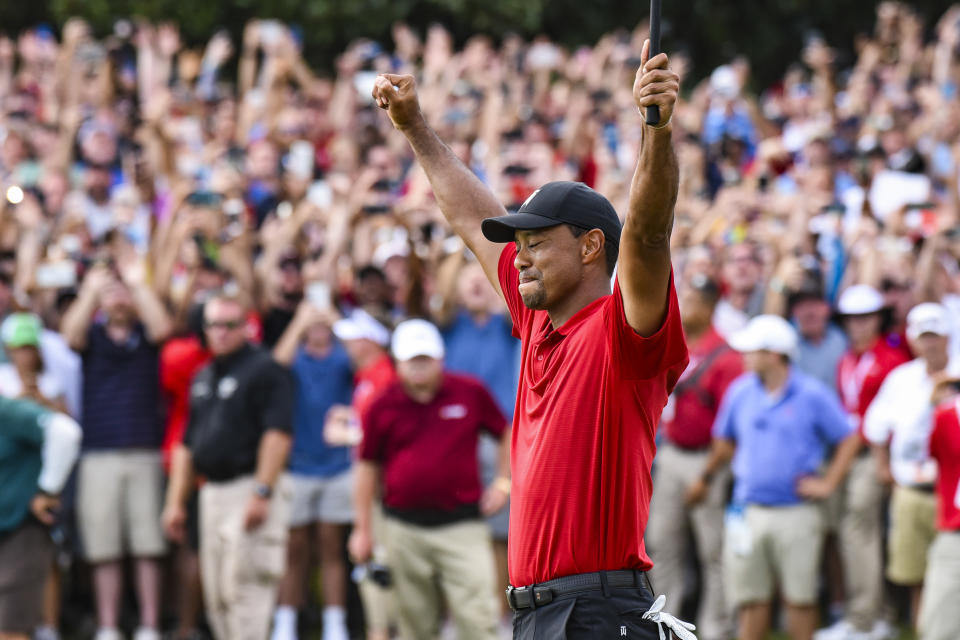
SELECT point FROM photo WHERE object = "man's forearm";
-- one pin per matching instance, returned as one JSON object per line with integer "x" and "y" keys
{"x": 504, "y": 451}
{"x": 843, "y": 458}
{"x": 152, "y": 314}
{"x": 272, "y": 456}
{"x": 721, "y": 452}
{"x": 181, "y": 476}
{"x": 364, "y": 488}
{"x": 286, "y": 349}
{"x": 76, "y": 322}
{"x": 463, "y": 199}
{"x": 653, "y": 192}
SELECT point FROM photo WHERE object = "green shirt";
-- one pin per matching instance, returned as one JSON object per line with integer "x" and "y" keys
{"x": 21, "y": 443}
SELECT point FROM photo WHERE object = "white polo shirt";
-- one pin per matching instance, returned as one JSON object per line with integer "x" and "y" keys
{"x": 902, "y": 415}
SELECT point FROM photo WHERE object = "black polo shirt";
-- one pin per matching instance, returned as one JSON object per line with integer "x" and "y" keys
{"x": 233, "y": 401}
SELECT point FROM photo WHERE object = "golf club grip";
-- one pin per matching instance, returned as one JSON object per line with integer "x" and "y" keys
{"x": 653, "y": 112}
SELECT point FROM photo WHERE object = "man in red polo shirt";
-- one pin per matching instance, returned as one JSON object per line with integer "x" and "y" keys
{"x": 596, "y": 369}
{"x": 857, "y": 513}
{"x": 939, "y": 611}
{"x": 420, "y": 438}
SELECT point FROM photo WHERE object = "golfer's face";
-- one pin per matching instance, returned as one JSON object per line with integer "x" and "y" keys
{"x": 549, "y": 265}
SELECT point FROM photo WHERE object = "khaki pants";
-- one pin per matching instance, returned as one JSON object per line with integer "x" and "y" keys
{"x": 940, "y": 610}
{"x": 241, "y": 569}
{"x": 913, "y": 516}
{"x": 671, "y": 519}
{"x": 455, "y": 561}
{"x": 860, "y": 543}
{"x": 379, "y": 606}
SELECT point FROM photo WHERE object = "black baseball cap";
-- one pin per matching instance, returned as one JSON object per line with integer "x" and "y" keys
{"x": 554, "y": 203}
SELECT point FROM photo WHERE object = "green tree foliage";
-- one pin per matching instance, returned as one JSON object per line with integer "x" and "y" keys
{"x": 770, "y": 33}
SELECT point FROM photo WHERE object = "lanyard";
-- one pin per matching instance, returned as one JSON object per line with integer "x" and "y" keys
{"x": 851, "y": 382}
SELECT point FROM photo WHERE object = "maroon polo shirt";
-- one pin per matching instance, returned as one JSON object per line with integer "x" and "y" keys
{"x": 713, "y": 366}
{"x": 428, "y": 452}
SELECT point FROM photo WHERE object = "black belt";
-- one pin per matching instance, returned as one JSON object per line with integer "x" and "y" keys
{"x": 537, "y": 595}
{"x": 923, "y": 488}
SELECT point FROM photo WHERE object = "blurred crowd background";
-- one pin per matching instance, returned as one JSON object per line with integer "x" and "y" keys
{"x": 140, "y": 175}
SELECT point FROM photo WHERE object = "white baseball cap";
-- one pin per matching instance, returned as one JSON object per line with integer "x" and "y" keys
{"x": 360, "y": 325}
{"x": 414, "y": 338}
{"x": 766, "y": 333}
{"x": 724, "y": 82}
{"x": 859, "y": 300}
{"x": 928, "y": 317}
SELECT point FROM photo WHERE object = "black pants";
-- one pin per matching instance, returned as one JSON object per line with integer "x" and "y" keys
{"x": 589, "y": 615}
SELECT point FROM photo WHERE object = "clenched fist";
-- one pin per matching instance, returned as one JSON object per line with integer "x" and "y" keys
{"x": 656, "y": 84}
{"x": 397, "y": 94}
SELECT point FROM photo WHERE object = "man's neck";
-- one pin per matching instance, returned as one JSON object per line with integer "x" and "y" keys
{"x": 480, "y": 317}
{"x": 775, "y": 379}
{"x": 227, "y": 354}
{"x": 422, "y": 395}
{"x": 937, "y": 364}
{"x": 695, "y": 333}
{"x": 369, "y": 358}
{"x": 816, "y": 337}
{"x": 118, "y": 330}
{"x": 861, "y": 348}
{"x": 739, "y": 299}
{"x": 318, "y": 350}
{"x": 584, "y": 295}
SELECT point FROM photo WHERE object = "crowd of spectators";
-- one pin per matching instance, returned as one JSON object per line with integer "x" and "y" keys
{"x": 140, "y": 178}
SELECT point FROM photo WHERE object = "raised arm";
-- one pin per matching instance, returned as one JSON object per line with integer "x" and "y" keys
{"x": 464, "y": 200}
{"x": 644, "y": 264}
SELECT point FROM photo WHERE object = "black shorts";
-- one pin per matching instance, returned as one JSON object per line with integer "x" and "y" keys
{"x": 589, "y": 615}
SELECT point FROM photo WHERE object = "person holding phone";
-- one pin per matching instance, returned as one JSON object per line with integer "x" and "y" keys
{"x": 320, "y": 473}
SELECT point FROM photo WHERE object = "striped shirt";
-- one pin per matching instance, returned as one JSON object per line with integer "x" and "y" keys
{"x": 121, "y": 383}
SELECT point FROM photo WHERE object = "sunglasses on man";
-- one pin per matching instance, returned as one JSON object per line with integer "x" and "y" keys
{"x": 223, "y": 324}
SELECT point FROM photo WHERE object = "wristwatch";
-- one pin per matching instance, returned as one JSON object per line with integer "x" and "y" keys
{"x": 262, "y": 490}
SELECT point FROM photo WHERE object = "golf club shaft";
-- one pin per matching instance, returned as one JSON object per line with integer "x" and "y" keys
{"x": 653, "y": 112}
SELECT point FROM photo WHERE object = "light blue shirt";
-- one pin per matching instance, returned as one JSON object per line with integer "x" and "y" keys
{"x": 820, "y": 360}
{"x": 779, "y": 438}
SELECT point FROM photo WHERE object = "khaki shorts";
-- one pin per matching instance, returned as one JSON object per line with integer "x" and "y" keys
{"x": 119, "y": 502}
{"x": 913, "y": 517}
{"x": 316, "y": 499}
{"x": 774, "y": 547}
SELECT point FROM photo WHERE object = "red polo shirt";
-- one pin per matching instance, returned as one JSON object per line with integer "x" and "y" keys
{"x": 428, "y": 452}
{"x": 945, "y": 449}
{"x": 180, "y": 359}
{"x": 588, "y": 403}
{"x": 859, "y": 376}
{"x": 370, "y": 381}
{"x": 696, "y": 402}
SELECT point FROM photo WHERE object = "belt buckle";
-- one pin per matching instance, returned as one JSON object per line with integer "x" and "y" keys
{"x": 511, "y": 597}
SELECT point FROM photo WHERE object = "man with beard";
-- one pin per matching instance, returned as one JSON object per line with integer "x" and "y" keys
{"x": 596, "y": 369}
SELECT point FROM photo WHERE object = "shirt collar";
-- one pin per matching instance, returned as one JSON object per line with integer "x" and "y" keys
{"x": 227, "y": 361}
{"x": 578, "y": 318}
{"x": 788, "y": 388}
